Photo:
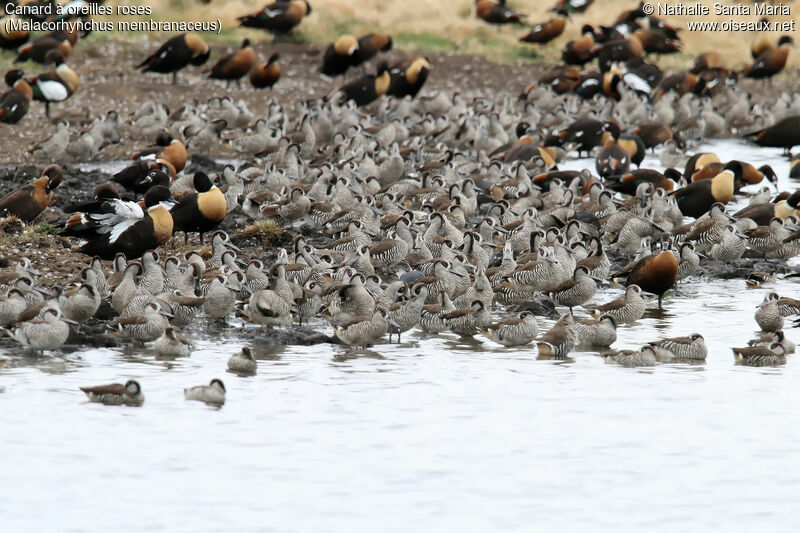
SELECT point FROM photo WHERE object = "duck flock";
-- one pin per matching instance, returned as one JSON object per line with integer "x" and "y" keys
{"x": 436, "y": 213}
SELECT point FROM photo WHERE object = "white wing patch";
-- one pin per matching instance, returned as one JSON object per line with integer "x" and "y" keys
{"x": 53, "y": 91}
{"x": 124, "y": 215}
{"x": 636, "y": 83}
{"x": 119, "y": 229}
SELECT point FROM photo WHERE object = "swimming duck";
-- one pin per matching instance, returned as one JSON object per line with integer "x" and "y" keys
{"x": 147, "y": 327}
{"x": 768, "y": 314}
{"x": 243, "y": 363}
{"x": 201, "y": 210}
{"x": 644, "y": 356}
{"x": 624, "y": 310}
{"x": 30, "y": 200}
{"x": 363, "y": 331}
{"x": 279, "y": 17}
{"x": 234, "y": 66}
{"x": 601, "y": 332}
{"x": 172, "y": 344}
{"x": 116, "y": 394}
{"x": 515, "y": 331}
{"x": 176, "y": 54}
{"x": 213, "y": 393}
{"x": 774, "y": 355}
{"x": 267, "y": 73}
{"x": 692, "y": 348}
{"x": 124, "y": 227}
{"x": 768, "y": 337}
{"x": 559, "y": 339}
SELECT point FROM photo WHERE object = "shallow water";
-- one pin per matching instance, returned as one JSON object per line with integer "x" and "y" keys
{"x": 434, "y": 433}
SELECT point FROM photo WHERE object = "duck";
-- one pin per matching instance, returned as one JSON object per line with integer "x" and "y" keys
{"x": 176, "y": 54}
{"x": 116, "y": 394}
{"x": 363, "y": 331}
{"x": 80, "y": 303}
{"x": 496, "y": 12}
{"x": 365, "y": 90}
{"x": 172, "y": 344}
{"x": 28, "y": 202}
{"x": 146, "y": 327}
{"x": 243, "y": 363}
{"x": 279, "y": 18}
{"x": 770, "y": 62}
{"x": 54, "y": 86}
{"x": 15, "y": 103}
{"x": 468, "y": 321}
{"x": 576, "y": 291}
{"x": 516, "y": 331}
{"x": 407, "y": 314}
{"x": 12, "y": 303}
{"x": 644, "y": 356}
{"x": 234, "y": 66}
{"x": 628, "y": 183}
{"x": 582, "y": 50}
{"x": 655, "y": 274}
{"x": 49, "y": 333}
{"x": 588, "y": 133}
{"x": 139, "y": 177}
{"x": 40, "y": 50}
{"x": 768, "y": 337}
{"x": 213, "y": 393}
{"x": 545, "y": 32}
{"x": 167, "y": 148}
{"x": 774, "y": 355}
{"x": 267, "y": 73}
{"x": 340, "y": 55}
{"x": 268, "y": 308}
{"x": 600, "y": 332}
{"x": 201, "y": 210}
{"x": 570, "y": 7}
{"x": 691, "y": 348}
{"x": 407, "y": 77}
{"x": 124, "y": 227}
{"x": 370, "y": 45}
{"x": 12, "y": 34}
{"x": 624, "y": 310}
{"x": 768, "y": 315}
{"x": 783, "y": 134}
{"x": 559, "y": 340}
{"x": 696, "y": 198}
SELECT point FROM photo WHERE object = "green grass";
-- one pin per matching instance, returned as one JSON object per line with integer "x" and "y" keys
{"x": 424, "y": 41}
{"x": 44, "y": 228}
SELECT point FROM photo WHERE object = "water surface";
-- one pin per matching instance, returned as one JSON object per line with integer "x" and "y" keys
{"x": 436, "y": 433}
